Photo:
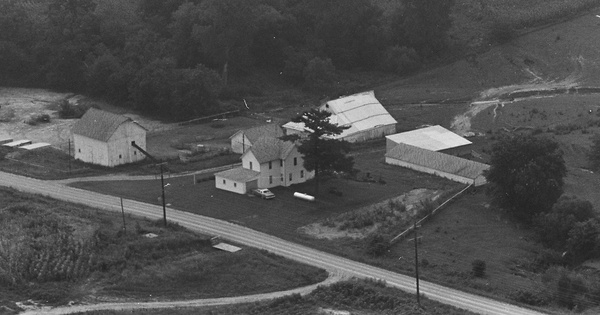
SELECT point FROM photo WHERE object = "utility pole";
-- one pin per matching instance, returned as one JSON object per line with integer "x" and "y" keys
{"x": 417, "y": 264}
{"x": 69, "y": 159}
{"x": 162, "y": 186}
{"x": 123, "y": 212}
{"x": 162, "y": 180}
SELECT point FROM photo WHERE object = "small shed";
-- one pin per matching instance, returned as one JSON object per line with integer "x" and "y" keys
{"x": 437, "y": 163}
{"x": 104, "y": 138}
{"x": 238, "y": 180}
{"x": 433, "y": 138}
{"x": 35, "y": 146}
{"x": 17, "y": 143}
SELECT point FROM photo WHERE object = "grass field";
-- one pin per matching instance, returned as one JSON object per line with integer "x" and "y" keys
{"x": 72, "y": 252}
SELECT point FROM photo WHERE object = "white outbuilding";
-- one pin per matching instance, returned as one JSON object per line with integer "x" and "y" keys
{"x": 361, "y": 112}
{"x": 104, "y": 138}
{"x": 432, "y": 138}
{"x": 437, "y": 163}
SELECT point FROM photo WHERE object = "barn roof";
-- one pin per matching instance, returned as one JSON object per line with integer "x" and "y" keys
{"x": 98, "y": 124}
{"x": 239, "y": 174}
{"x": 437, "y": 161}
{"x": 434, "y": 138}
{"x": 267, "y": 149}
{"x": 255, "y": 133}
{"x": 360, "y": 112}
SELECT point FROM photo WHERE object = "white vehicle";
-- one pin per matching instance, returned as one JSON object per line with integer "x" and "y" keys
{"x": 263, "y": 193}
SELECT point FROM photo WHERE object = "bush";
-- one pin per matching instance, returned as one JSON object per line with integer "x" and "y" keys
{"x": 570, "y": 290}
{"x": 478, "y": 268}
{"x": 36, "y": 118}
{"x": 7, "y": 115}
{"x": 377, "y": 245}
{"x": 546, "y": 259}
{"x": 67, "y": 110}
{"x": 529, "y": 298}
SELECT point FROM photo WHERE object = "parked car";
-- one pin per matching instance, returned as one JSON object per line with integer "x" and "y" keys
{"x": 263, "y": 193}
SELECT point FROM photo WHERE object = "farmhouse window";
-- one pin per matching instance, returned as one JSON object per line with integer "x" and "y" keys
{"x": 295, "y": 161}
{"x": 234, "y": 184}
{"x": 223, "y": 182}
{"x": 79, "y": 150}
{"x": 281, "y": 177}
{"x": 270, "y": 179}
{"x": 120, "y": 156}
{"x": 281, "y": 163}
{"x": 250, "y": 165}
{"x": 301, "y": 173}
{"x": 134, "y": 152}
{"x": 290, "y": 176}
{"x": 270, "y": 165}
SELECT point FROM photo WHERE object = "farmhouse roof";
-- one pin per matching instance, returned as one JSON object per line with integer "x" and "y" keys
{"x": 100, "y": 125}
{"x": 239, "y": 174}
{"x": 437, "y": 161}
{"x": 434, "y": 138}
{"x": 267, "y": 149}
{"x": 255, "y": 133}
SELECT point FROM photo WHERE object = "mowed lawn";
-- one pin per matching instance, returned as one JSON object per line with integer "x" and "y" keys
{"x": 284, "y": 214}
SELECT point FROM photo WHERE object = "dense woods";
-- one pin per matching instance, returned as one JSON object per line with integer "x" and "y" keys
{"x": 174, "y": 58}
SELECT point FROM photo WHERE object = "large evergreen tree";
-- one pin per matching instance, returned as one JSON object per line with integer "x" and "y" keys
{"x": 526, "y": 175}
{"x": 321, "y": 152}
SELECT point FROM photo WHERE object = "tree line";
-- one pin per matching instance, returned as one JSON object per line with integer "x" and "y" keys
{"x": 174, "y": 58}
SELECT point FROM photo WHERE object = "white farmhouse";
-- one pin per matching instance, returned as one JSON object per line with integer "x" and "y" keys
{"x": 270, "y": 162}
{"x": 103, "y": 138}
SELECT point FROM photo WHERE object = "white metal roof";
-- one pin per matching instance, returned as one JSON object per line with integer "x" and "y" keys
{"x": 17, "y": 143}
{"x": 434, "y": 138}
{"x": 35, "y": 146}
{"x": 360, "y": 112}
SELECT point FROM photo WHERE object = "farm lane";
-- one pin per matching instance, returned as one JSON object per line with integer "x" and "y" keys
{"x": 131, "y": 306}
{"x": 246, "y": 236}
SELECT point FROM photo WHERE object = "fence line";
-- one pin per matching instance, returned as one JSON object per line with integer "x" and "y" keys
{"x": 409, "y": 229}
{"x": 208, "y": 117}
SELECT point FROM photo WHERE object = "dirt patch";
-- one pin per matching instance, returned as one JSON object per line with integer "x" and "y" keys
{"x": 17, "y": 105}
{"x": 403, "y": 208}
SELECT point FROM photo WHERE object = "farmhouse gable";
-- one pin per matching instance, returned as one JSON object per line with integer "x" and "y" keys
{"x": 242, "y": 140}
